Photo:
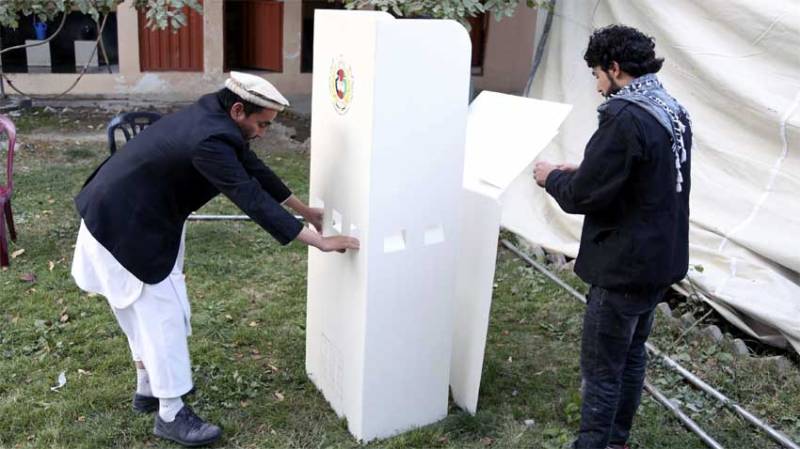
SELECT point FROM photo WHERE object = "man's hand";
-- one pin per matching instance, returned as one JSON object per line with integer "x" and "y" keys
{"x": 339, "y": 243}
{"x": 567, "y": 167}
{"x": 313, "y": 216}
{"x": 541, "y": 170}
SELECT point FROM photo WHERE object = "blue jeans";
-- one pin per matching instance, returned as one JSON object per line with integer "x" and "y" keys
{"x": 613, "y": 361}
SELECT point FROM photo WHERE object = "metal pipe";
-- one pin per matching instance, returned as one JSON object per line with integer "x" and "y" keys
{"x": 685, "y": 419}
{"x": 197, "y": 217}
{"x": 60, "y": 26}
{"x": 776, "y": 435}
{"x": 543, "y": 270}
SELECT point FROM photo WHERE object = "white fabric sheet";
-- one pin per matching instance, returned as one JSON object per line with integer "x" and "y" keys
{"x": 735, "y": 65}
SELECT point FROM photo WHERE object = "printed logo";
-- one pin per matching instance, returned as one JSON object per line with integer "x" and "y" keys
{"x": 340, "y": 84}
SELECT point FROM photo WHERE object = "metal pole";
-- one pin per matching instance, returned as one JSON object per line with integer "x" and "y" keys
{"x": 197, "y": 217}
{"x": 694, "y": 380}
{"x": 776, "y": 435}
{"x": 688, "y": 422}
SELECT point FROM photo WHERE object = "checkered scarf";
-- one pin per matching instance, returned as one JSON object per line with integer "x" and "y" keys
{"x": 648, "y": 92}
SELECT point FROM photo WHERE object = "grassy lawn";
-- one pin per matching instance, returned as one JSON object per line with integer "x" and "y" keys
{"x": 248, "y": 299}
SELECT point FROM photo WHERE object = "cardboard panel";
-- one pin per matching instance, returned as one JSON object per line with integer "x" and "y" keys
{"x": 476, "y": 266}
{"x": 506, "y": 132}
{"x": 389, "y": 107}
{"x": 504, "y": 135}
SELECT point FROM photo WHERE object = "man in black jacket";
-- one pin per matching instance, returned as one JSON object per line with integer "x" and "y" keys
{"x": 131, "y": 239}
{"x": 633, "y": 188}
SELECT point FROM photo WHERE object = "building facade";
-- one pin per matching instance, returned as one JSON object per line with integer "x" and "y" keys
{"x": 271, "y": 38}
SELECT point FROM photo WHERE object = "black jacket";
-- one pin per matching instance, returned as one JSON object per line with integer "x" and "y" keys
{"x": 136, "y": 202}
{"x": 636, "y": 230}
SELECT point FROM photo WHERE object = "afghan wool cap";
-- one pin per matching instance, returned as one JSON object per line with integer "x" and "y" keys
{"x": 256, "y": 90}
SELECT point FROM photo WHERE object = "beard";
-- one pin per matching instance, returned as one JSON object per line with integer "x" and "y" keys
{"x": 249, "y": 135}
{"x": 612, "y": 89}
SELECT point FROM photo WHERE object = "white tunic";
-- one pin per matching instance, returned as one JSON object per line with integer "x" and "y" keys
{"x": 96, "y": 270}
{"x": 154, "y": 317}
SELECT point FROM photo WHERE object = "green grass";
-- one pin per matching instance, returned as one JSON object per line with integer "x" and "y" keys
{"x": 248, "y": 298}
{"x": 54, "y": 120}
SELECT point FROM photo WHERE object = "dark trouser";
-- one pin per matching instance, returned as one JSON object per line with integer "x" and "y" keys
{"x": 613, "y": 361}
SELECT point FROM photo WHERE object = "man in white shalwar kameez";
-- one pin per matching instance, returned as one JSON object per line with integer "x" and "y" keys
{"x": 130, "y": 244}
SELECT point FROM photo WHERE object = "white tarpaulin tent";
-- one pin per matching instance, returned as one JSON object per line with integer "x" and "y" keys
{"x": 735, "y": 65}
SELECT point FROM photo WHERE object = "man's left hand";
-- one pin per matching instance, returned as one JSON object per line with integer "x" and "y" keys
{"x": 314, "y": 217}
{"x": 541, "y": 170}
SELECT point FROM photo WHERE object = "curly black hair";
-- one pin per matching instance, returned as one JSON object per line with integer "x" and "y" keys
{"x": 633, "y": 50}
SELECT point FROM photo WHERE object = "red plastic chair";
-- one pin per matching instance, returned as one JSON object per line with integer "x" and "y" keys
{"x": 6, "y": 217}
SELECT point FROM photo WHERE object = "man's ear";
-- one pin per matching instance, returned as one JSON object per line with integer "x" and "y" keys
{"x": 614, "y": 70}
{"x": 237, "y": 111}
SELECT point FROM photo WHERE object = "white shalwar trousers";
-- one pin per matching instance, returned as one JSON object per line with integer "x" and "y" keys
{"x": 154, "y": 317}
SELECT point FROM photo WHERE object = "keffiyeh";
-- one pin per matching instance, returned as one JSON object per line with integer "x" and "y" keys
{"x": 648, "y": 92}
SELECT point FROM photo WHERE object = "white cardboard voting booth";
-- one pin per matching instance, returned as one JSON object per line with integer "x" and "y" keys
{"x": 504, "y": 135}
{"x": 389, "y": 108}
{"x": 392, "y": 325}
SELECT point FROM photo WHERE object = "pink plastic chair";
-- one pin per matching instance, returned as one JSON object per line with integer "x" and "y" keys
{"x": 6, "y": 217}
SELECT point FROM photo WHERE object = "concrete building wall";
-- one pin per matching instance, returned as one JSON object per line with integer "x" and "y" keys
{"x": 509, "y": 50}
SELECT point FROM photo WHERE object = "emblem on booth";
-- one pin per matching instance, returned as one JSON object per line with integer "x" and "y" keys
{"x": 340, "y": 83}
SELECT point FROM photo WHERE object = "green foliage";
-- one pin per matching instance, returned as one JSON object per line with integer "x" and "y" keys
{"x": 160, "y": 14}
{"x": 460, "y": 10}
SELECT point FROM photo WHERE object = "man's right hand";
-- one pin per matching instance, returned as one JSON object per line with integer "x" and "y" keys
{"x": 340, "y": 243}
